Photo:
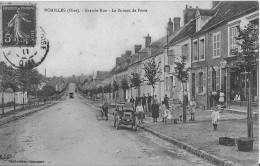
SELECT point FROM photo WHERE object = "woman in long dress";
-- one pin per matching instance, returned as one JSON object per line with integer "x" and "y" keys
{"x": 155, "y": 109}
{"x": 175, "y": 112}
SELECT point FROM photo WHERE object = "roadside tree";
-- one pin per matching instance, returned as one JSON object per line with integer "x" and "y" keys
{"x": 246, "y": 62}
{"x": 152, "y": 72}
{"x": 182, "y": 74}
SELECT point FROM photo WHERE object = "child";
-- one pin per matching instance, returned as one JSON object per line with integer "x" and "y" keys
{"x": 162, "y": 109}
{"x": 167, "y": 115}
{"x": 192, "y": 106}
{"x": 215, "y": 118}
{"x": 140, "y": 112}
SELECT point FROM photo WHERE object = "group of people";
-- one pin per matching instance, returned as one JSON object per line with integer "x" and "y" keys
{"x": 171, "y": 112}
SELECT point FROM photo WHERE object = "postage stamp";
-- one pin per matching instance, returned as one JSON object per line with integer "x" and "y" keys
{"x": 19, "y": 25}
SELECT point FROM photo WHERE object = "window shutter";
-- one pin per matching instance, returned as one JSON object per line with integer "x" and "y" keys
{"x": 217, "y": 81}
{"x": 204, "y": 82}
{"x": 197, "y": 82}
{"x": 209, "y": 79}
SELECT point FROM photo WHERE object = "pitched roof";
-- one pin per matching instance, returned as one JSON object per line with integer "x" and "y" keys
{"x": 206, "y": 12}
{"x": 228, "y": 10}
{"x": 186, "y": 31}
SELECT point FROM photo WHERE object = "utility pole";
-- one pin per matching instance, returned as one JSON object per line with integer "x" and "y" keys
{"x": 3, "y": 108}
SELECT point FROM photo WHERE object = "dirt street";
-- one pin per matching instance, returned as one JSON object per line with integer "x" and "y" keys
{"x": 69, "y": 134}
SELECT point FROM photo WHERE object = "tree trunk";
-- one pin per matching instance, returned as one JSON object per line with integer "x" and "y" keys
{"x": 3, "y": 102}
{"x": 14, "y": 101}
{"x": 29, "y": 100}
{"x": 23, "y": 100}
{"x": 183, "y": 104}
{"x": 249, "y": 109}
{"x": 153, "y": 91}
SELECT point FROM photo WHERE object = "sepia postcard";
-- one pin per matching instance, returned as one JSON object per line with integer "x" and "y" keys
{"x": 165, "y": 83}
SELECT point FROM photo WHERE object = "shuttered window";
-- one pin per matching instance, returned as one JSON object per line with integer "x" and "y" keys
{"x": 218, "y": 79}
{"x": 216, "y": 45}
{"x": 200, "y": 90}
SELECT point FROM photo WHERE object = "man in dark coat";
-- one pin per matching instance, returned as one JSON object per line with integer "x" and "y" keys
{"x": 105, "y": 109}
{"x": 166, "y": 101}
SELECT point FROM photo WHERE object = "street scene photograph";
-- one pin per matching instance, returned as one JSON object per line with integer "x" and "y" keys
{"x": 130, "y": 83}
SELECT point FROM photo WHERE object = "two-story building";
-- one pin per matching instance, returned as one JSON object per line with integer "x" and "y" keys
{"x": 210, "y": 49}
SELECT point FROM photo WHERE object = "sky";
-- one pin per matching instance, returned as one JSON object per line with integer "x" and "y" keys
{"x": 83, "y": 42}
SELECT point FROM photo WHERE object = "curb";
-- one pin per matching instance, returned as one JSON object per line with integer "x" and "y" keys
{"x": 200, "y": 153}
{"x": 14, "y": 118}
{"x": 193, "y": 150}
{"x": 254, "y": 114}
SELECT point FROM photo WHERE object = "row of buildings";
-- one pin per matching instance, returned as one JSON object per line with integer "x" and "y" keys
{"x": 207, "y": 38}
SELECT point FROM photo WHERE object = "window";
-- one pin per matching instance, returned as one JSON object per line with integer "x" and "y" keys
{"x": 202, "y": 49}
{"x": 185, "y": 50}
{"x": 171, "y": 57}
{"x": 195, "y": 50}
{"x": 233, "y": 32}
{"x": 200, "y": 82}
{"x": 216, "y": 45}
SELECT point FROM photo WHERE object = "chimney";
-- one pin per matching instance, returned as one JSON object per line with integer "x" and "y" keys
{"x": 214, "y": 4}
{"x": 176, "y": 21}
{"x": 148, "y": 41}
{"x": 127, "y": 54}
{"x": 170, "y": 27}
{"x": 122, "y": 57}
{"x": 118, "y": 59}
{"x": 188, "y": 14}
{"x": 138, "y": 48}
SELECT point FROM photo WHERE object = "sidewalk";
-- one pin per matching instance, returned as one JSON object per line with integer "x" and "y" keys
{"x": 19, "y": 113}
{"x": 200, "y": 137}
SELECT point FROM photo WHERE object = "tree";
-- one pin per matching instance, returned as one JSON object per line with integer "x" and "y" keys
{"x": 100, "y": 91}
{"x": 13, "y": 82}
{"x": 28, "y": 78}
{"x": 47, "y": 90}
{"x": 135, "y": 81}
{"x": 115, "y": 88}
{"x": 124, "y": 86}
{"x": 4, "y": 82}
{"x": 182, "y": 74}
{"x": 247, "y": 61}
{"x": 152, "y": 72}
{"x": 108, "y": 89}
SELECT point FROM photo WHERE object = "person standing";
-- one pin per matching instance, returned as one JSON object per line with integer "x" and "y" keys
{"x": 162, "y": 109}
{"x": 144, "y": 102}
{"x": 221, "y": 97}
{"x": 175, "y": 112}
{"x": 186, "y": 99}
{"x": 105, "y": 109}
{"x": 137, "y": 100}
{"x": 166, "y": 101}
{"x": 132, "y": 100}
{"x": 149, "y": 101}
{"x": 192, "y": 106}
{"x": 140, "y": 112}
{"x": 155, "y": 109}
{"x": 215, "y": 118}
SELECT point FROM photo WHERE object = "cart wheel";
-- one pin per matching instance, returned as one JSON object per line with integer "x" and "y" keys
{"x": 117, "y": 123}
{"x": 135, "y": 125}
